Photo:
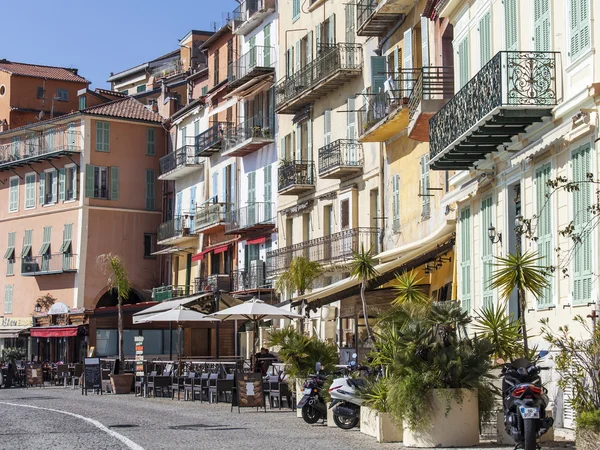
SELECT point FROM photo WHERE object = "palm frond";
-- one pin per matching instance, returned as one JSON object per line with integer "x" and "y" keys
{"x": 520, "y": 271}
{"x": 407, "y": 287}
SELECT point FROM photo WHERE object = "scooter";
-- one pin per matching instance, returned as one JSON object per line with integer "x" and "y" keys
{"x": 312, "y": 403}
{"x": 524, "y": 400}
{"x": 345, "y": 400}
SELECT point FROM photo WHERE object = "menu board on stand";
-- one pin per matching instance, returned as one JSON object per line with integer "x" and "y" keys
{"x": 249, "y": 391}
{"x": 92, "y": 376}
{"x": 34, "y": 374}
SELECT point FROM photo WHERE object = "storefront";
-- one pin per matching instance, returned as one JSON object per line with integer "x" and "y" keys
{"x": 14, "y": 333}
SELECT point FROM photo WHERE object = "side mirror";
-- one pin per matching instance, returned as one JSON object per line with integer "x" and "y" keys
{"x": 354, "y": 356}
{"x": 352, "y": 363}
{"x": 318, "y": 367}
{"x": 543, "y": 353}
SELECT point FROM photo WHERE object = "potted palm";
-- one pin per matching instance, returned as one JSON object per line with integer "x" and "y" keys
{"x": 113, "y": 268}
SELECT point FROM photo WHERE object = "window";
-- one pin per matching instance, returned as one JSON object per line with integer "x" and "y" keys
{"x": 30, "y": 191}
{"x": 295, "y": 9}
{"x": 96, "y": 182}
{"x": 378, "y": 73}
{"x": 510, "y": 24}
{"x": 9, "y": 255}
{"x": 544, "y": 228}
{"x": 26, "y": 251}
{"x": 106, "y": 342}
{"x": 463, "y": 62}
{"x": 541, "y": 25}
{"x": 204, "y": 90}
{"x": 425, "y": 191}
{"x": 8, "y": 298}
{"x": 579, "y": 13}
{"x": 345, "y": 214}
{"x": 70, "y": 188}
{"x": 13, "y": 202}
{"x": 268, "y": 192}
{"x": 149, "y": 245}
{"x": 150, "y": 189}
{"x": 82, "y": 102}
{"x": 48, "y": 187}
{"x": 465, "y": 259}
{"x": 102, "y": 136}
{"x": 67, "y": 247}
{"x": 486, "y": 252}
{"x": 582, "y": 201}
{"x": 396, "y": 203}
{"x": 216, "y": 67}
{"x": 62, "y": 95}
{"x": 485, "y": 38}
{"x": 124, "y": 91}
{"x": 45, "y": 251}
{"x": 141, "y": 88}
{"x": 150, "y": 141}
{"x": 40, "y": 92}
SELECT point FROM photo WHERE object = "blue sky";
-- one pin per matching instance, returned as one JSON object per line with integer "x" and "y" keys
{"x": 99, "y": 37}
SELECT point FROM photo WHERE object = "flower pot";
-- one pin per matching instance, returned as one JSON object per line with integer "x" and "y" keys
{"x": 121, "y": 384}
{"x": 452, "y": 423}
{"x": 380, "y": 425}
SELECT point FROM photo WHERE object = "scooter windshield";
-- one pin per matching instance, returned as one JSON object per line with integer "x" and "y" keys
{"x": 520, "y": 362}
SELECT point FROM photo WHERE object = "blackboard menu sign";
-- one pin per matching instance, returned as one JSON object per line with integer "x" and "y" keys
{"x": 92, "y": 375}
{"x": 249, "y": 391}
{"x": 34, "y": 375}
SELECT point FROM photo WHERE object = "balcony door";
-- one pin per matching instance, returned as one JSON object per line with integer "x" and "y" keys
{"x": 327, "y": 230}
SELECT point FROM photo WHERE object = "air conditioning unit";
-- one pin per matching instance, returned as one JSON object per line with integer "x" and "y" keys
{"x": 29, "y": 267}
{"x": 257, "y": 273}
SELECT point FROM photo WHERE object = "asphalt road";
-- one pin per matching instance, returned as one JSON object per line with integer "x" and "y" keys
{"x": 61, "y": 418}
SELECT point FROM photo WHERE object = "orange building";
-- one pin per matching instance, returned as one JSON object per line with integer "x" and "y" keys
{"x": 72, "y": 188}
{"x": 30, "y": 93}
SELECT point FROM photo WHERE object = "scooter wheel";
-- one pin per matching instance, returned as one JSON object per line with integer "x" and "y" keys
{"x": 530, "y": 431}
{"x": 310, "y": 414}
{"x": 345, "y": 423}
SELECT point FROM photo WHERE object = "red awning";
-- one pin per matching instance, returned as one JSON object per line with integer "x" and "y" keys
{"x": 198, "y": 256}
{"x": 46, "y": 332}
{"x": 259, "y": 240}
{"x": 220, "y": 249}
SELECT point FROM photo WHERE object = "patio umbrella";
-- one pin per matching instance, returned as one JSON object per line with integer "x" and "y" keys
{"x": 254, "y": 310}
{"x": 179, "y": 314}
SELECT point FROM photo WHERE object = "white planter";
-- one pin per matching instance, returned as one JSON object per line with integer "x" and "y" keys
{"x": 379, "y": 425}
{"x": 505, "y": 439}
{"x": 330, "y": 422}
{"x": 299, "y": 395}
{"x": 457, "y": 428}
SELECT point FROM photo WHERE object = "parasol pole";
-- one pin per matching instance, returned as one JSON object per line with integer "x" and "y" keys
{"x": 179, "y": 349}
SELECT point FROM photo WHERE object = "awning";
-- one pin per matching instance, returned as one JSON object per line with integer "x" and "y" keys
{"x": 48, "y": 332}
{"x": 44, "y": 248}
{"x": 171, "y": 250}
{"x": 220, "y": 249}
{"x": 259, "y": 240}
{"x": 198, "y": 257}
{"x": 10, "y": 253}
{"x": 26, "y": 250}
{"x": 165, "y": 306}
{"x": 11, "y": 332}
{"x": 65, "y": 246}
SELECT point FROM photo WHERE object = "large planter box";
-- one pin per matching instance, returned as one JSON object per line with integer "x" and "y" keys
{"x": 504, "y": 437}
{"x": 452, "y": 423}
{"x": 121, "y": 384}
{"x": 586, "y": 439}
{"x": 380, "y": 425}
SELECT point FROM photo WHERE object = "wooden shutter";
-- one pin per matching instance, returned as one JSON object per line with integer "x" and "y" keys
{"x": 465, "y": 259}
{"x": 151, "y": 141}
{"x": 579, "y": 27}
{"x": 351, "y": 118}
{"x": 150, "y": 189}
{"x": 309, "y": 146}
{"x": 61, "y": 184}
{"x": 345, "y": 214}
{"x": 267, "y": 194}
{"x": 396, "y": 203}
{"x": 408, "y": 61}
{"x": 89, "y": 181}
{"x": 114, "y": 183}
{"x": 54, "y": 185}
{"x": 267, "y": 45}
{"x": 350, "y": 24}
{"x": 544, "y": 228}
{"x": 463, "y": 62}
{"x": 331, "y": 30}
{"x": 425, "y": 41}
{"x": 327, "y": 127}
{"x": 309, "y": 47}
{"x": 486, "y": 253}
{"x": 378, "y": 75}
{"x": 425, "y": 198}
{"x": 510, "y": 25}
{"x": 485, "y": 38}
{"x": 582, "y": 201}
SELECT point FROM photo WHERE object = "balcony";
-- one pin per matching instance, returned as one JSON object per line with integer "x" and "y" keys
{"x": 249, "y": 136}
{"x": 335, "y": 65}
{"x": 511, "y": 92}
{"x": 433, "y": 89}
{"x": 179, "y": 163}
{"x": 252, "y": 279}
{"x": 334, "y": 248}
{"x": 210, "y": 141}
{"x": 340, "y": 159}
{"x": 49, "y": 265}
{"x": 36, "y": 147}
{"x": 375, "y": 18}
{"x": 251, "y": 65}
{"x": 386, "y": 114}
{"x": 218, "y": 281}
{"x": 296, "y": 177}
{"x": 210, "y": 216}
{"x": 255, "y": 217}
{"x": 177, "y": 230}
{"x": 250, "y": 14}
{"x": 164, "y": 293}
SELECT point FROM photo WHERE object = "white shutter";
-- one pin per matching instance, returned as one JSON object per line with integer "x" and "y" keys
{"x": 327, "y": 127}
{"x": 298, "y": 56}
{"x": 309, "y": 147}
{"x": 425, "y": 41}
{"x": 309, "y": 47}
{"x": 299, "y": 143}
{"x": 351, "y": 119}
{"x": 408, "y": 61}
{"x": 465, "y": 259}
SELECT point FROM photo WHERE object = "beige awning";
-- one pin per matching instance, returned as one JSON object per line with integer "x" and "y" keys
{"x": 11, "y": 332}
{"x": 166, "y": 306}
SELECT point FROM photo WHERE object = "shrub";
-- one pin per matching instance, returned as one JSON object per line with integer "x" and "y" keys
{"x": 589, "y": 420}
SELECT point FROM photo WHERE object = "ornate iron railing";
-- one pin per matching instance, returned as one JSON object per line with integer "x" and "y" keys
{"x": 175, "y": 227}
{"x": 249, "y": 279}
{"x": 49, "y": 264}
{"x": 340, "y": 153}
{"x": 334, "y": 248}
{"x": 262, "y": 127}
{"x": 509, "y": 79}
{"x": 184, "y": 156}
{"x": 291, "y": 173}
{"x": 257, "y": 57}
{"x": 249, "y": 216}
{"x": 162, "y": 293}
{"x": 433, "y": 83}
{"x": 211, "y": 214}
{"x": 364, "y": 9}
{"x": 248, "y": 8}
{"x": 212, "y": 137}
{"x": 38, "y": 144}
{"x": 331, "y": 58}
{"x": 218, "y": 281}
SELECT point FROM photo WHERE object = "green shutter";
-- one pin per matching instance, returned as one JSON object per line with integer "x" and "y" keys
{"x": 42, "y": 188}
{"x": 318, "y": 37}
{"x": 378, "y": 75}
{"x": 13, "y": 204}
{"x": 102, "y": 136}
{"x": 150, "y": 141}
{"x": 295, "y": 9}
{"x": 485, "y": 38}
{"x": 309, "y": 47}
{"x": 582, "y": 201}
{"x": 26, "y": 243}
{"x": 298, "y": 56}
{"x": 67, "y": 238}
{"x": 89, "y": 181}
{"x": 45, "y": 248}
{"x": 8, "y": 298}
{"x": 510, "y": 25}
{"x": 396, "y": 203}
{"x": 331, "y": 30}
{"x": 465, "y": 259}
{"x": 30, "y": 191}
{"x": 150, "y": 189}
{"x": 579, "y": 12}
{"x": 252, "y": 198}
{"x": 544, "y": 228}
{"x": 252, "y": 52}
{"x": 10, "y": 250}
{"x": 114, "y": 183}
{"x": 204, "y": 90}
{"x": 75, "y": 171}
{"x": 425, "y": 198}
{"x": 61, "y": 184}
{"x": 267, "y": 196}
{"x": 267, "y": 45}
{"x": 486, "y": 253}
{"x": 541, "y": 25}
{"x": 463, "y": 62}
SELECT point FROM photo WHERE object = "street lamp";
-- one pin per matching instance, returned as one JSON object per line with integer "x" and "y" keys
{"x": 38, "y": 308}
{"x": 494, "y": 237}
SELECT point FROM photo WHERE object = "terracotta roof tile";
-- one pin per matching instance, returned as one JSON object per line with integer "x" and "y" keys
{"x": 126, "y": 108}
{"x": 34, "y": 70}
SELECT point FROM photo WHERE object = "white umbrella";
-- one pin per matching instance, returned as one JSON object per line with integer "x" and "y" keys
{"x": 178, "y": 315}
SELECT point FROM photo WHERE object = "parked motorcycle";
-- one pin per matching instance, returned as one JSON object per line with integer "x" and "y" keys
{"x": 524, "y": 401}
{"x": 312, "y": 403}
{"x": 344, "y": 398}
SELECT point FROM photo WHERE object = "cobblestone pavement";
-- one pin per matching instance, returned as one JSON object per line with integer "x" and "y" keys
{"x": 52, "y": 418}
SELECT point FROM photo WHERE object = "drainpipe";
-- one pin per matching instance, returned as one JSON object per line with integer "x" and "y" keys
{"x": 381, "y": 197}
{"x": 384, "y": 39}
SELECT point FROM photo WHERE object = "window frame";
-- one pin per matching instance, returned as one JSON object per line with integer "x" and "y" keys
{"x": 73, "y": 178}
{"x": 62, "y": 95}
{"x": 98, "y": 170}
{"x": 49, "y": 176}
{"x": 153, "y": 238}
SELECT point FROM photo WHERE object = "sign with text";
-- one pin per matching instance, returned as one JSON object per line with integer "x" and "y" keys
{"x": 92, "y": 375}
{"x": 139, "y": 355}
{"x": 34, "y": 374}
{"x": 249, "y": 390}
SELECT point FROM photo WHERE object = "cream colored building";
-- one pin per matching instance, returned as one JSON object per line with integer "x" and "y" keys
{"x": 525, "y": 112}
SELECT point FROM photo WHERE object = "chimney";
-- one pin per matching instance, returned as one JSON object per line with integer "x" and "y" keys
{"x": 3, "y": 126}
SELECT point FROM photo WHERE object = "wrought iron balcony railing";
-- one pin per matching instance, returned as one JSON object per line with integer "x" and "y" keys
{"x": 249, "y": 9}
{"x": 256, "y": 61}
{"x": 50, "y": 264}
{"x": 182, "y": 157}
{"x": 179, "y": 226}
{"x": 433, "y": 83}
{"x": 211, "y": 140}
{"x": 364, "y": 9}
{"x": 294, "y": 173}
{"x": 512, "y": 91}
{"x": 340, "y": 154}
{"x": 333, "y": 65}
{"x": 334, "y": 248}
{"x": 213, "y": 282}
{"x": 249, "y": 136}
{"x": 377, "y": 17}
{"x": 163, "y": 293}
{"x": 211, "y": 214}
{"x": 250, "y": 279}
{"x": 251, "y": 217}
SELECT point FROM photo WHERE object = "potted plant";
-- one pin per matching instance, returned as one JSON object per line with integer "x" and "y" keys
{"x": 256, "y": 131}
{"x": 375, "y": 417}
{"x": 266, "y": 133}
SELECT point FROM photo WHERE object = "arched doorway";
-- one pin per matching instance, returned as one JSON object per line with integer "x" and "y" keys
{"x": 110, "y": 299}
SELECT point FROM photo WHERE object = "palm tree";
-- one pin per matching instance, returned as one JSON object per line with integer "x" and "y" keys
{"x": 113, "y": 267}
{"x": 520, "y": 272}
{"x": 408, "y": 290}
{"x": 300, "y": 276}
{"x": 362, "y": 267}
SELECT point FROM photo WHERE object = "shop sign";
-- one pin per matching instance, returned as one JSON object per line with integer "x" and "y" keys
{"x": 58, "y": 308}
{"x": 139, "y": 355}
{"x": 16, "y": 322}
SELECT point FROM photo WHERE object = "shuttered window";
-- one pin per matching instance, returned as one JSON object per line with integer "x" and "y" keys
{"x": 485, "y": 38}
{"x": 510, "y": 25}
{"x": 46, "y": 240}
{"x": 541, "y": 25}
{"x": 8, "y": 298}
{"x": 396, "y": 203}
{"x": 465, "y": 259}
{"x": 582, "y": 201}
{"x": 10, "y": 254}
{"x": 351, "y": 121}
{"x": 114, "y": 182}
{"x": 192, "y": 207}
{"x": 150, "y": 189}
{"x": 425, "y": 41}
{"x": 252, "y": 198}
{"x": 331, "y": 30}
{"x": 579, "y": 17}
{"x": 309, "y": 147}
{"x": 13, "y": 200}
{"x": 350, "y": 24}
{"x": 295, "y": 9}
{"x": 26, "y": 250}
{"x": 544, "y": 228}
{"x": 486, "y": 253}
{"x": 67, "y": 247}
{"x": 61, "y": 184}
{"x": 327, "y": 127}
{"x": 268, "y": 192}
{"x": 267, "y": 45}
{"x": 345, "y": 213}
{"x": 29, "y": 191}
{"x": 408, "y": 61}
{"x": 102, "y": 136}
{"x": 252, "y": 56}
{"x": 378, "y": 75}
{"x": 425, "y": 192}
{"x": 150, "y": 141}
{"x": 463, "y": 62}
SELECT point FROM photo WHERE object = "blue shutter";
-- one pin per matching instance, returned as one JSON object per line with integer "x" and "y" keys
{"x": 582, "y": 201}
